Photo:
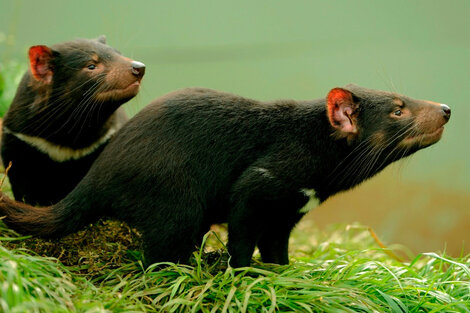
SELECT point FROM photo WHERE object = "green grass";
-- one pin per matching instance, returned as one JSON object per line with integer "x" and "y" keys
{"x": 345, "y": 272}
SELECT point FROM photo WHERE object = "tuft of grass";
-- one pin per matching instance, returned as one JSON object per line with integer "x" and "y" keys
{"x": 347, "y": 272}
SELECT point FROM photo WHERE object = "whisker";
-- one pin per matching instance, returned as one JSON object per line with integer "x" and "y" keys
{"x": 79, "y": 109}
{"x": 54, "y": 109}
{"x": 355, "y": 165}
{"x": 358, "y": 147}
{"x": 364, "y": 163}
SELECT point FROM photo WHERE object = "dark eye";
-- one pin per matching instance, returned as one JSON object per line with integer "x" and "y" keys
{"x": 397, "y": 112}
{"x": 91, "y": 66}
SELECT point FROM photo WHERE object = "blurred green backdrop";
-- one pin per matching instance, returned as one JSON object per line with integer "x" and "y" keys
{"x": 300, "y": 49}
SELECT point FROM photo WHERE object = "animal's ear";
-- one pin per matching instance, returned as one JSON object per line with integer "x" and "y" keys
{"x": 40, "y": 60}
{"x": 342, "y": 112}
{"x": 101, "y": 39}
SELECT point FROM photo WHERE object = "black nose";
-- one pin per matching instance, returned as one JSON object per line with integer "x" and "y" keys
{"x": 138, "y": 68}
{"x": 446, "y": 110}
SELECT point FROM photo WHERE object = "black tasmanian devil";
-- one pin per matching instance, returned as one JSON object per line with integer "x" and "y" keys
{"x": 66, "y": 109}
{"x": 197, "y": 157}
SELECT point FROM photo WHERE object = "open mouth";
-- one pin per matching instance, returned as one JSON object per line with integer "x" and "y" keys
{"x": 425, "y": 139}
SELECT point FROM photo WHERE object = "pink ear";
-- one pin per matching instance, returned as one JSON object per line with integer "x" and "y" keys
{"x": 40, "y": 61}
{"x": 341, "y": 111}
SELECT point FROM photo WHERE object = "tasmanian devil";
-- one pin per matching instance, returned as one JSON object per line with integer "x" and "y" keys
{"x": 66, "y": 109}
{"x": 197, "y": 157}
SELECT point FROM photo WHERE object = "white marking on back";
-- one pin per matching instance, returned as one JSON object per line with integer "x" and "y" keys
{"x": 60, "y": 153}
{"x": 313, "y": 203}
{"x": 264, "y": 172}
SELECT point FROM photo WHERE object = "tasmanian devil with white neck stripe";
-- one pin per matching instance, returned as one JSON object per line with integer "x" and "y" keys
{"x": 197, "y": 157}
{"x": 66, "y": 109}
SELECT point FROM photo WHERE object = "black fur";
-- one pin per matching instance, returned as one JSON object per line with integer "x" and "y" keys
{"x": 198, "y": 157}
{"x": 69, "y": 100}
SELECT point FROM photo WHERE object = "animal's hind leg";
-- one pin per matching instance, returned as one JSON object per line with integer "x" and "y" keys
{"x": 174, "y": 246}
{"x": 174, "y": 236}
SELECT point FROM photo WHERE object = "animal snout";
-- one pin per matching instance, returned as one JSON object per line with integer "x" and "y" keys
{"x": 138, "y": 68}
{"x": 446, "y": 110}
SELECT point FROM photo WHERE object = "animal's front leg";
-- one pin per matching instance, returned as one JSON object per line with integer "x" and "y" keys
{"x": 264, "y": 211}
{"x": 274, "y": 241}
{"x": 243, "y": 233}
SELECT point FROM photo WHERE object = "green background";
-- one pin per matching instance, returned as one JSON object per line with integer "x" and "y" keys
{"x": 285, "y": 49}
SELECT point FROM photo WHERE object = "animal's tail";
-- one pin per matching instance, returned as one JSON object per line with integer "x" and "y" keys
{"x": 52, "y": 221}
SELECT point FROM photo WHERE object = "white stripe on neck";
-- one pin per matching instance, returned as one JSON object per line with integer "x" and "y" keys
{"x": 60, "y": 153}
